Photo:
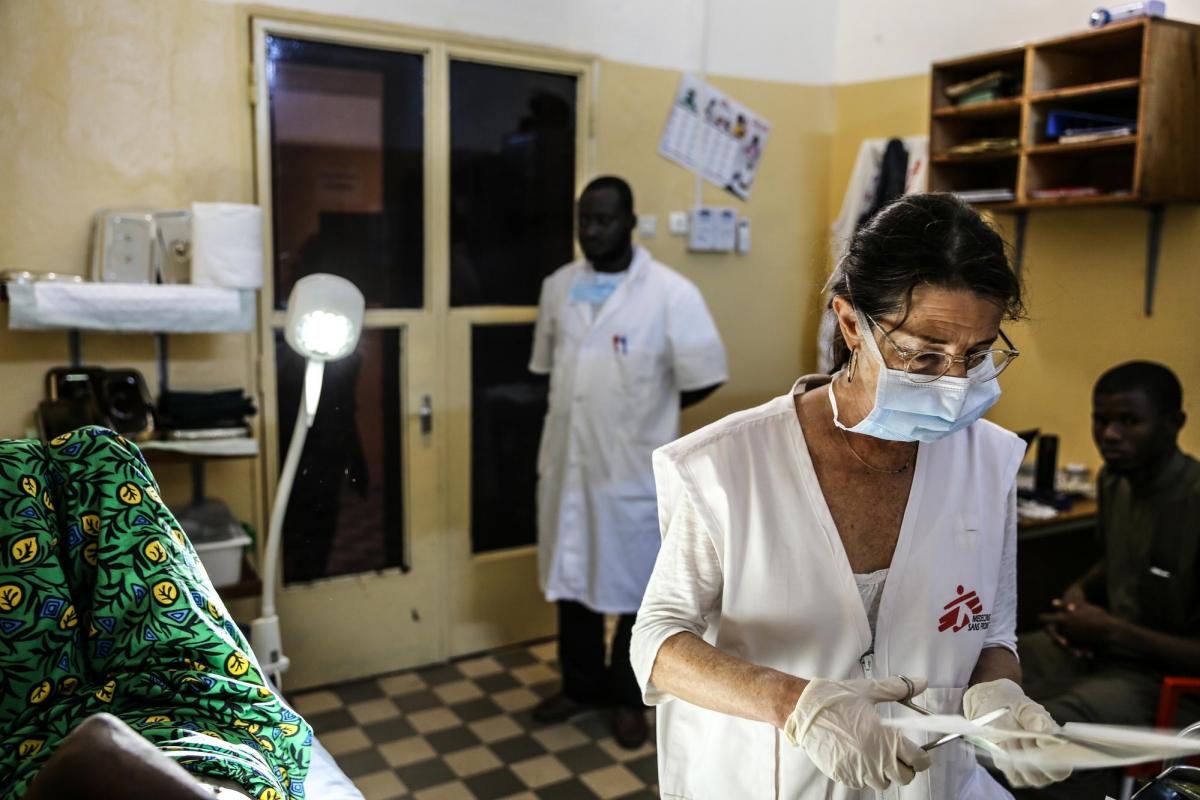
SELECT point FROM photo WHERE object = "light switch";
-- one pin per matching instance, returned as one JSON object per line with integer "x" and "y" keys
{"x": 677, "y": 222}
{"x": 647, "y": 226}
{"x": 743, "y": 236}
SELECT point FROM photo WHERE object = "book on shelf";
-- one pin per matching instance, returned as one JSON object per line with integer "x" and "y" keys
{"x": 988, "y": 145}
{"x": 991, "y": 86}
{"x": 979, "y": 96}
{"x": 1060, "y": 192}
{"x": 1060, "y": 122}
{"x": 1080, "y": 135}
{"x": 997, "y": 195}
{"x": 202, "y": 434}
{"x": 1057, "y": 192}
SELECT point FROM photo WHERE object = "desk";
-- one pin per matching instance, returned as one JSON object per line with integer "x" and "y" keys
{"x": 1079, "y": 516}
{"x": 1050, "y": 554}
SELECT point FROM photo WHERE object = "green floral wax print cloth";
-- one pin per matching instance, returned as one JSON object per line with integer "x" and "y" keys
{"x": 105, "y": 607}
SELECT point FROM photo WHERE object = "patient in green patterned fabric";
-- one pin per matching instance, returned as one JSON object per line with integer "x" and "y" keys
{"x": 121, "y": 673}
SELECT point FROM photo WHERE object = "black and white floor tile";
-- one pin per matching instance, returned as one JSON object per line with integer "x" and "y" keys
{"x": 463, "y": 731}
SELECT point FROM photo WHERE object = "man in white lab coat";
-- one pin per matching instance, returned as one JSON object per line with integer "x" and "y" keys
{"x": 626, "y": 342}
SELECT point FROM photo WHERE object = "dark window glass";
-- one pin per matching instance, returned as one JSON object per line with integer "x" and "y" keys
{"x": 508, "y": 407}
{"x": 347, "y": 139}
{"x": 512, "y": 181}
{"x": 345, "y": 514}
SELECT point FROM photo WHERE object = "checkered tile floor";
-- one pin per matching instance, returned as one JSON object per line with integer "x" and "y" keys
{"x": 463, "y": 730}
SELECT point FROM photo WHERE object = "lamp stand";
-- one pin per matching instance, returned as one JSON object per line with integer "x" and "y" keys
{"x": 265, "y": 638}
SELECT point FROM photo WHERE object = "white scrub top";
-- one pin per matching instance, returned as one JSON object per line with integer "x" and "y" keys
{"x": 768, "y": 581}
{"x": 616, "y": 373}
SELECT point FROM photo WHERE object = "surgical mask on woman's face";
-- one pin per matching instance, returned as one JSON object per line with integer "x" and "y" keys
{"x": 920, "y": 412}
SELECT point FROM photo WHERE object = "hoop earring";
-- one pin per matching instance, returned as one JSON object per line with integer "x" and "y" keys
{"x": 852, "y": 367}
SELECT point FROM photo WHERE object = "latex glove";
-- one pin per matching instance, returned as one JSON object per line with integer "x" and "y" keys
{"x": 1023, "y": 714}
{"x": 837, "y": 725}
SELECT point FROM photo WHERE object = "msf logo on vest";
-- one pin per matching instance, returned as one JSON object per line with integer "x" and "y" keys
{"x": 964, "y": 611}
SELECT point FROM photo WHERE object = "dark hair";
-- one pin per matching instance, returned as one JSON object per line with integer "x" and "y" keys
{"x": 922, "y": 240}
{"x": 618, "y": 185}
{"x": 1156, "y": 380}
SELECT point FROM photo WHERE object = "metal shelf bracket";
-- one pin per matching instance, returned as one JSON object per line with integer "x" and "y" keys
{"x": 1021, "y": 216}
{"x": 1153, "y": 247}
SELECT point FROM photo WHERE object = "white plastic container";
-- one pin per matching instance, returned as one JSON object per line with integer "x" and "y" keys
{"x": 222, "y": 560}
{"x": 217, "y": 537}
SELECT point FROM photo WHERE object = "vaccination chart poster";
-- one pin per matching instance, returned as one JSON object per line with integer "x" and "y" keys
{"x": 712, "y": 133}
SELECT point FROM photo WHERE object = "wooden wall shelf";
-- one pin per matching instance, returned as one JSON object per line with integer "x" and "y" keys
{"x": 1104, "y": 87}
{"x": 995, "y": 108}
{"x": 952, "y": 158}
{"x": 1061, "y": 202}
{"x": 1082, "y": 147}
{"x": 1141, "y": 71}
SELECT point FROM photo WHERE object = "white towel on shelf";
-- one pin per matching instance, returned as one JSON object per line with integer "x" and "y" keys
{"x": 129, "y": 307}
{"x": 227, "y": 245}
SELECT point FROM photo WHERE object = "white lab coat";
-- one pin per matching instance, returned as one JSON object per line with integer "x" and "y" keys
{"x": 787, "y": 597}
{"x": 615, "y": 378}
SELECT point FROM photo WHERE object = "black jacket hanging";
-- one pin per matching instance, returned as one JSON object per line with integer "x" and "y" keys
{"x": 893, "y": 173}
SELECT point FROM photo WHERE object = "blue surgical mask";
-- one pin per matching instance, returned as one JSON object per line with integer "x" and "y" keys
{"x": 595, "y": 287}
{"x": 920, "y": 412}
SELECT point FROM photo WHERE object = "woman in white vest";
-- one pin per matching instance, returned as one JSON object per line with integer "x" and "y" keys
{"x": 859, "y": 528}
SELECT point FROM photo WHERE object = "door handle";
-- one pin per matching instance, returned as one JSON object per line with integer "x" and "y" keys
{"x": 426, "y": 415}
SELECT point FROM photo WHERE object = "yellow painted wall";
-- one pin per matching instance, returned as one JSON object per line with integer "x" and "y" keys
{"x": 144, "y": 102}
{"x": 1084, "y": 273}
{"x": 761, "y": 301}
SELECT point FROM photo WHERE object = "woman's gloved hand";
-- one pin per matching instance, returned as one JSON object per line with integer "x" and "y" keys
{"x": 1023, "y": 714}
{"x": 837, "y": 725}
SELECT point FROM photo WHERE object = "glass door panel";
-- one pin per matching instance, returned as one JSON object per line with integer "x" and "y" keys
{"x": 508, "y": 406}
{"x": 342, "y": 518}
{"x": 347, "y": 142}
{"x": 512, "y": 181}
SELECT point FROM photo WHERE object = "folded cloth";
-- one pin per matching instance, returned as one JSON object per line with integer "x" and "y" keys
{"x": 129, "y": 307}
{"x": 227, "y": 408}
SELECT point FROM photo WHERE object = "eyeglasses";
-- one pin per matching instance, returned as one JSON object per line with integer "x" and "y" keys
{"x": 926, "y": 366}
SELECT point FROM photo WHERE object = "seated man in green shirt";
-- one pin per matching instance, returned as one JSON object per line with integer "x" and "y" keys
{"x": 1135, "y": 615}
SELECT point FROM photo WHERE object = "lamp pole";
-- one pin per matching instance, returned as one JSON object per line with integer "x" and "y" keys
{"x": 265, "y": 637}
{"x": 324, "y": 321}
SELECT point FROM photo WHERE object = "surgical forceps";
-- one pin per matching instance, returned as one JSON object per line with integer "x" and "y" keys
{"x": 907, "y": 702}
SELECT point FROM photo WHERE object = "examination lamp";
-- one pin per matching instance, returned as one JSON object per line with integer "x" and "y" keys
{"x": 324, "y": 320}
